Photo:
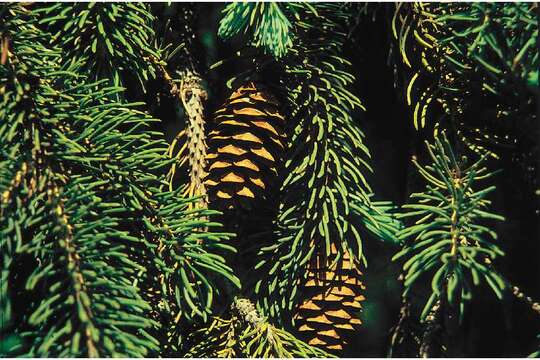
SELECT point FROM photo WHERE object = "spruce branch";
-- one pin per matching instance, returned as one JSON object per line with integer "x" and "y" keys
{"x": 463, "y": 43}
{"x": 91, "y": 309}
{"x": 35, "y": 136}
{"x": 180, "y": 61}
{"x": 265, "y": 22}
{"x": 248, "y": 334}
{"x": 192, "y": 95}
{"x": 325, "y": 224}
{"x": 449, "y": 241}
{"x": 192, "y": 139}
{"x": 326, "y": 153}
{"x": 78, "y": 283}
{"x": 69, "y": 151}
{"x": 452, "y": 54}
{"x": 109, "y": 39}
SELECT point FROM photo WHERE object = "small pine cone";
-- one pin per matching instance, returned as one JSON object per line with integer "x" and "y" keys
{"x": 245, "y": 149}
{"x": 332, "y": 303}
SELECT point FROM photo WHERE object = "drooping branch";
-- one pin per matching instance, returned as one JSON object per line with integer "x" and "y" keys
{"x": 73, "y": 266}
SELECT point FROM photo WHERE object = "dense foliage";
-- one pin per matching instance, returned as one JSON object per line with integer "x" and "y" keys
{"x": 204, "y": 180}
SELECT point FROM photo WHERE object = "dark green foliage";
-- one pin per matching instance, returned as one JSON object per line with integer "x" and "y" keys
{"x": 485, "y": 51}
{"x": 450, "y": 241}
{"x": 55, "y": 220}
{"x": 84, "y": 200}
{"x": 469, "y": 49}
{"x": 495, "y": 40}
{"x": 326, "y": 153}
{"x": 469, "y": 68}
{"x": 89, "y": 305}
{"x": 104, "y": 252}
{"x": 267, "y": 25}
{"x": 194, "y": 259}
{"x": 109, "y": 39}
{"x": 493, "y": 49}
{"x": 248, "y": 334}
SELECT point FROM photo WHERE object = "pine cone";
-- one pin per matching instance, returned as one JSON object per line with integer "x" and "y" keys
{"x": 244, "y": 148}
{"x": 332, "y": 302}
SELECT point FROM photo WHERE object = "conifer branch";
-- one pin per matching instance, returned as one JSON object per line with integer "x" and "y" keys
{"x": 248, "y": 334}
{"x": 267, "y": 25}
{"x": 192, "y": 95}
{"x": 188, "y": 88}
{"x": 108, "y": 240}
{"x": 324, "y": 138}
{"x": 452, "y": 54}
{"x": 63, "y": 130}
{"x": 325, "y": 224}
{"x": 73, "y": 262}
{"x": 108, "y": 39}
{"x": 449, "y": 242}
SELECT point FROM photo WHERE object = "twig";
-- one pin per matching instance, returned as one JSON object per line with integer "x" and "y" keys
{"x": 517, "y": 292}
{"x": 432, "y": 327}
